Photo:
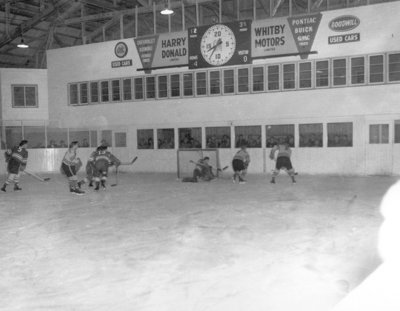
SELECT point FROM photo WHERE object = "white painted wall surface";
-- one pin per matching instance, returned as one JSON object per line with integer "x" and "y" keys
{"x": 23, "y": 76}
{"x": 354, "y": 104}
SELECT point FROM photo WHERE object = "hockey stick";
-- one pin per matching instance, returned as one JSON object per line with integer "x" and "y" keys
{"x": 116, "y": 170}
{"x": 223, "y": 169}
{"x": 116, "y": 177}
{"x": 36, "y": 176}
{"x": 129, "y": 163}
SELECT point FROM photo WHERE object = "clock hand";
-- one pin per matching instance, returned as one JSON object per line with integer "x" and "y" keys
{"x": 215, "y": 46}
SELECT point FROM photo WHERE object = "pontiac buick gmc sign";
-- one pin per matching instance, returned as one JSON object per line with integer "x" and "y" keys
{"x": 344, "y": 23}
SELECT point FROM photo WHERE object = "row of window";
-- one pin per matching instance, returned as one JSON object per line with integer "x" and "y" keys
{"x": 340, "y": 134}
{"x": 337, "y": 72}
{"x": 48, "y": 137}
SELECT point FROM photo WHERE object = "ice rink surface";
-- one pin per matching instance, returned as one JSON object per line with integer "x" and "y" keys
{"x": 153, "y": 243}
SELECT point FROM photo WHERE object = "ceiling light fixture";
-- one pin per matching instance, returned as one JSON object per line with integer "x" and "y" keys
{"x": 167, "y": 10}
{"x": 22, "y": 44}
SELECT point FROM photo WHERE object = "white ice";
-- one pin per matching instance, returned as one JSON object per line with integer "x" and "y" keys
{"x": 156, "y": 244}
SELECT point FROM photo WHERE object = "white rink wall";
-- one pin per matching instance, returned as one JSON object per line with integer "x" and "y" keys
{"x": 361, "y": 105}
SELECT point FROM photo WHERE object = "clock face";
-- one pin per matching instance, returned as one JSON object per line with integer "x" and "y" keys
{"x": 218, "y": 45}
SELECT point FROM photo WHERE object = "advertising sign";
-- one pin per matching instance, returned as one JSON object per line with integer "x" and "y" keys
{"x": 163, "y": 50}
{"x": 282, "y": 36}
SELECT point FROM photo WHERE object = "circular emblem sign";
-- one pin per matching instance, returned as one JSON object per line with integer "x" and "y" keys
{"x": 121, "y": 49}
{"x": 344, "y": 23}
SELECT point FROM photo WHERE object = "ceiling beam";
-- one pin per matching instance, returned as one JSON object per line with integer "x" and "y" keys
{"x": 30, "y": 23}
{"x": 100, "y": 4}
{"x": 276, "y": 7}
{"x": 112, "y": 14}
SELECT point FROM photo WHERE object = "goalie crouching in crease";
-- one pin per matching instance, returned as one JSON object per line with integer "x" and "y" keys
{"x": 202, "y": 172}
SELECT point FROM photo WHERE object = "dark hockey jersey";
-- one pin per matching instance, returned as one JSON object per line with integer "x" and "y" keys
{"x": 103, "y": 159}
{"x": 17, "y": 158}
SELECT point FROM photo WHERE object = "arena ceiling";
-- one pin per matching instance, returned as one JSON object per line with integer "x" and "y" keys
{"x": 51, "y": 24}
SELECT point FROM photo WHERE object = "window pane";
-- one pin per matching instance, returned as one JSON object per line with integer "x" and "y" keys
{"x": 94, "y": 92}
{"x": 30, "y": 93}
{"x": 116, "y": 90}
{"x": 379, "y": 134}
{"x": 201, "y": 83}
{"x": 84, "y": 93}
{"x": 374, "y": 134}
{"x": 106, "y": 138}
{"x": 273, "y": 77}
{"x": 145, "y": 139}
{"x": 397, "y": 131}
{"x": 120, "y": 139}
{"x": 279, "y": 133}
{"x": 310, "y": 135}
{"x": 258, "y": 79}
{"x": 229, "y": 82}
{"x": 215, "y": 87}
{"x": 188, "y": 84}
{"x": 175, "y": 86}
{"x": 35, "y": 136}
{"x": 93, "y": 138}
{"x": 305, "y": 75}
{"x": 243, "y": 80}
{"x": 357, "y": 70}
{"x": 340, "y": 134}
{"x": 150, "y": 87}
{"x": 139, "y": 88}
{"x": 190, "y": 137}
{"x": 248, "y": 135}
{"x": 166, "y": 138}
{"x": 81, "y": 136}
{"x": 384, "y": 133}
{"x": 162, "y": 86}
{"x": 57, "y": 137}
{"x": 288, "y": 76}
{"x": 73, "y": 94}
{"x": 218, "y": 137}
{"x": 13, "y": 136}
{"x": 104, "y": 91}
{"x": 19, "y": 96}
{"x": 376, "y": 68}
{"x": 322, "y": 73}
{"x": 127, "y": 89}
{"x": 339, "y": 72}
{"x": 394, "y": 67}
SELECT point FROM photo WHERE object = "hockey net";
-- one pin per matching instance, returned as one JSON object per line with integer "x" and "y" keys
{"x": 185, "y": 156}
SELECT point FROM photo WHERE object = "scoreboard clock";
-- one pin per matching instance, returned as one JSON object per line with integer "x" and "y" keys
{"x": 220, "y": 45}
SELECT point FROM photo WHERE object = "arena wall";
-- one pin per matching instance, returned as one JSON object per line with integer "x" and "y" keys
{"x": 362, "y": 105}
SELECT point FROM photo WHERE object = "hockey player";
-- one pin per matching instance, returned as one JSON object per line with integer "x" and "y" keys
{"x": 101, "y": 160}
{"x": 89, "y": 170}
{"x": 282, "y": 152}
{"x": 70, "y": 166}
{"x": 202, "y": 172}
{"x": 240, "y": 164}
{"x": 16, "y": 159}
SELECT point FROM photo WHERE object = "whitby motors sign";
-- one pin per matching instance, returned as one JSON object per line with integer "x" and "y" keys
{"x": 344, "y": 23}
